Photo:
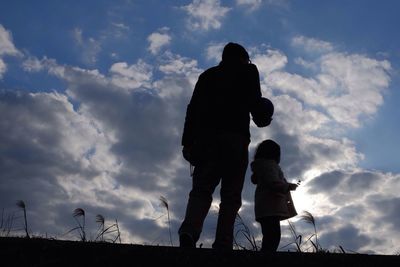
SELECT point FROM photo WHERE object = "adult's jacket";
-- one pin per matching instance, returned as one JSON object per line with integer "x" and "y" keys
{"x": 222, "y": 100}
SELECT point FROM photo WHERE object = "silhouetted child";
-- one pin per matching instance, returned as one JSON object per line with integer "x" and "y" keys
{"x": 273, "y": 201}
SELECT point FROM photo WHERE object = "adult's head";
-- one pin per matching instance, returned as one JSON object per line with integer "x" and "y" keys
{"x": 268, "y": 149}
{"x": 235, "y": 53}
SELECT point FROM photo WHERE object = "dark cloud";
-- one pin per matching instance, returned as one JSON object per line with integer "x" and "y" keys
{"x": 389, "y": 209}
{"x": 326, "y": 182}
{"x": 351, "y": 212}
{"x": 363, "y": 181}
{"x": 33, "y": 155}
{"x": 31, "y": 134}
{"x": 348, "y": 236}
{"x": 146, "y": 127}
{"x": 294, "y": 161}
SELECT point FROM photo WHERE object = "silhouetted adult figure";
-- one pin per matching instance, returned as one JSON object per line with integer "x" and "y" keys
{"x": 215, "y": 140}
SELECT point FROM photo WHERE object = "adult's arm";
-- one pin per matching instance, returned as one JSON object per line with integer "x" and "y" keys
{"x": 260, "y": 115}
{"x": 254, "y": 86}
{"x": 190, "y": 124}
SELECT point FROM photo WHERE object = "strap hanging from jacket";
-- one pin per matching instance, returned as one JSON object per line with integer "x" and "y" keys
{"x": 191, "y": 168}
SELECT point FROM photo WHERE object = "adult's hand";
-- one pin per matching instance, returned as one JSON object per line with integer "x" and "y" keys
{"x": 262, "y": 112}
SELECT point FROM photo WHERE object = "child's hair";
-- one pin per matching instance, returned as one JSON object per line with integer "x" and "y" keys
{"x": 268, "y": 149}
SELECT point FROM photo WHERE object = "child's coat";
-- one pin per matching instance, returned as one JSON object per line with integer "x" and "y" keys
{"x": 272, "y": 196}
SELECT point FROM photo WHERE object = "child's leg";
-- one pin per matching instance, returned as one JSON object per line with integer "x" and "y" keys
{"x": 271, "y": 230}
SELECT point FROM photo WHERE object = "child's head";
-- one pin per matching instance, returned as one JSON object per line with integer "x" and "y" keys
{"x": 268, "y": 149}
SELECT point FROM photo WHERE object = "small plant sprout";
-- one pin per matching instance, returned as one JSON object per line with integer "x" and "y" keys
{"x": 164, "y": 203}
{"x": 21, "y": 205}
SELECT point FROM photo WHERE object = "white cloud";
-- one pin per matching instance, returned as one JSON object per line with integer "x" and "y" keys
{"x": 214, "y": 52}
{"x": 181, "y": 75}
{"x": 7, "y": 48}
{"x": 176, "y": 64}
{"x": 90, "y": 47}
{"x": 3, "y": 68}
{"x": 121, "y": 26}
{"x": 6, "y": 43}
{"x": 312, "y": 45}
{"x": 33, "y": 64}
{"x": 295, "y": 118}
{"x": 251, "y": 4}
{"x": 306, "y": 64}
{"x": 269, "y": 62}
{"x": 133, "y": 76}
{"x": 158, "y": 40}
{"x": 205, "y": 14}
{"x": 347, "y": 87}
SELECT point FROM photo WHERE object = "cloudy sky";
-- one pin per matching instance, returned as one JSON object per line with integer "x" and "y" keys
{"x": 93, "y": 96}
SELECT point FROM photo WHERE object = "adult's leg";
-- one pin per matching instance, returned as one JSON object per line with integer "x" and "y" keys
{"x": 234, "y": 160}
{"x": 271, "y": 230}
{"x": 205, "y": 180}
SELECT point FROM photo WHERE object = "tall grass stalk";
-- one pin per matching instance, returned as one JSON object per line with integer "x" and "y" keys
{"x": 2, "y": 218}
{"x": 78, "y": 212}
{"x": 100, "y": 219}
{"x": 114, "y": 228}
{"x": 245, "y": 231}
{"x": 309, "y": 218}
{"x": 21, "y": 205}
{"x": 297, "y": 238}
{"x": 164, "y": 203}
{"x": 118, "y": 231}
{"x": 6, "y": 223}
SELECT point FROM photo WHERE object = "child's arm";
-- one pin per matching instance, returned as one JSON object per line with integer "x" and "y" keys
{"x": 292, "y": 187}
{"x": 277, "y": 181}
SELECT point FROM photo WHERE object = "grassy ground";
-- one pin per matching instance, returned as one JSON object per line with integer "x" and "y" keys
{"x": 44, "y": 252}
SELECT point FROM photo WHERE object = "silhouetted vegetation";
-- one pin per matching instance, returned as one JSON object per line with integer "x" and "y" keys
{"x": 164, "y": 203}
{"x": 243, "y": 229}
{"x": 109, "y": 232}
{"x": 21, "y": 204}
{"x": 79, "y": 213}
{"x": 105, "y": 233}
{"x": 6, "y": 223}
